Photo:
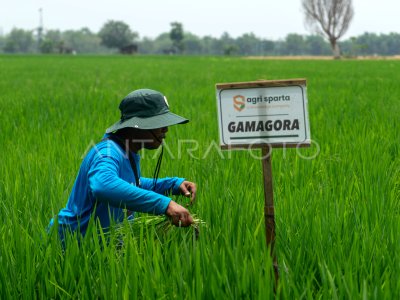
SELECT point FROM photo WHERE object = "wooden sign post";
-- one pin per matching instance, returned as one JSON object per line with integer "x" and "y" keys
{"x": 264, "y": 114}
{"x": 269, "y": 210}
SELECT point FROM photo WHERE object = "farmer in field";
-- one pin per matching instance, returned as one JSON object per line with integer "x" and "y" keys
{"x": 109, "y": 185}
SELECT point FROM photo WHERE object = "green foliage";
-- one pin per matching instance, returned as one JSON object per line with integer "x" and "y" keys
{"x": 372, "y": 44}
{"x": 71, "y": 41}
{"x": 161, "y": 45}
{"x": 337, "y": 215}
{"x": 19, "y": 41}
{"x": 248, "y": 44}
{"x": 176, "y": 35}
{"x": 2, "y": 43}
{"x": 83, "y": 41}
{"x": 230, "y": 50}
{"x": 316, "y": 45}
{"x": 295, "y": 44}
{"x": 116, "y": 34}
{"x": 193, "y": 44}
{"x": 52, "y": 42}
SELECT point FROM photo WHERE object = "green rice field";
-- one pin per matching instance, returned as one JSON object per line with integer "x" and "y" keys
{"x": 337, "y": 205}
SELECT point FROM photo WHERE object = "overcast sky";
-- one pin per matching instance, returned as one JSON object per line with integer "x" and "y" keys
{"x": 272, "y": 19}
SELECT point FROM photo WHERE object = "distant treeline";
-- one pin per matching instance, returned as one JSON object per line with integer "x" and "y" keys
{"x": 84, "y": 41}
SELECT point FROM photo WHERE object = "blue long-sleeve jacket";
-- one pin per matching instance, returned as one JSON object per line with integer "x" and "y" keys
{"x": 105, "y": 185}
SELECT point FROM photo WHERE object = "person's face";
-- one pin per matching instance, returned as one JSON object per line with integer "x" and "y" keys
{"x": 144, "y": 138}
{"x": 156, "y": 136}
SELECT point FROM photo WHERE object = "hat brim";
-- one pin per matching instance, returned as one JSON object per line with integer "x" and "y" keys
{"x": 159, "y": 121}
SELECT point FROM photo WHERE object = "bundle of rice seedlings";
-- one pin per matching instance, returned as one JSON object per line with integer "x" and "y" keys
{"x": 162, "y": 225}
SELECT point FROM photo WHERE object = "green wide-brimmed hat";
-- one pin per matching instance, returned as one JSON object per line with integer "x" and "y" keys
{"x": 145, "y": 109}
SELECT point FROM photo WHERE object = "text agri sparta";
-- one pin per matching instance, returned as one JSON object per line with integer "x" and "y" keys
{"x": 254, "y": 126}
{"x": 267, "y": 99}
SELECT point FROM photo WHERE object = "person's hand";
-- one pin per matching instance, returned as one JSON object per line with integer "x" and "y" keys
{"x": 188, "y": 189}
{"x": 179, "y": 215}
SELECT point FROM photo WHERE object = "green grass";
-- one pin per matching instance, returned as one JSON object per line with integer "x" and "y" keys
{"x": 337, "y": 216}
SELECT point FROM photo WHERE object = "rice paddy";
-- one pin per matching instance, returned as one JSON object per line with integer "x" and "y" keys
{"x": 337, "y": 203}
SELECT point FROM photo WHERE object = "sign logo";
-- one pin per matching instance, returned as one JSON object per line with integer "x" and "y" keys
{"x": 238, "y": 102}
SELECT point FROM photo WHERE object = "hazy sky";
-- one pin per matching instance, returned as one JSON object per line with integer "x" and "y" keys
{"x": 265, "y": 18}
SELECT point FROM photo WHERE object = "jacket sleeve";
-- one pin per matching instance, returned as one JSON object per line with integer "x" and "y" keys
{"x": 164, "y": 186}
{"x": 106, "y": 186}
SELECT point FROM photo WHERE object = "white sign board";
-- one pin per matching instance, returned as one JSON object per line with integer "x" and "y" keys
{"x": 263, "y": 112}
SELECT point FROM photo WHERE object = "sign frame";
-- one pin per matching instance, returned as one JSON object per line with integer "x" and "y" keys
{"x": 300, "y": 82}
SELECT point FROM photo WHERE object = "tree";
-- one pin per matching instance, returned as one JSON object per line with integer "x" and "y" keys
{"x": 176, "y": 35}
{"x": 2, "y": 42}
{"x": 211, "y": 45}
{"x": 146, "y": 46}
{"x": 116, "y": 34}
{"x": 268, "y": 47}
{"x": 192, "y": 44}
{"x": 52, "y": 41}
{"x": 368, "y": 44}
{"x": 392, "y": 41}
{"x": 316, "y": 45}
{"x": 163, "y": 44}
{"x": 83, "y": 41}
{"x": 227, "y": 44}
{"x": 331, "y": 18}
{"x": 18, "y": 41}
{"x": 294, "y": 44}
{"x": 249, "y": 44}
